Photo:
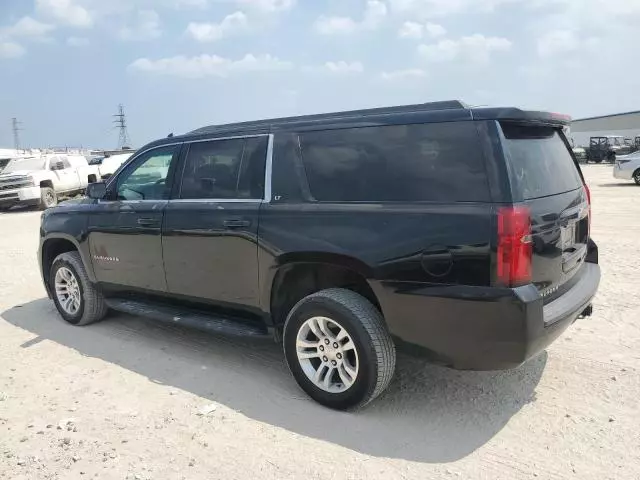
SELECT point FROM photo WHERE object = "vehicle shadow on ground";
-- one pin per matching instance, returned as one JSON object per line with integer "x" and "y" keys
{"x": 620, "y": 184}
{"x": 428, "y": 414}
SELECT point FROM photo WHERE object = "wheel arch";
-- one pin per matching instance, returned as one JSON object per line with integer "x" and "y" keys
{"x": 300, "y": 275}
{"x": 46, "y": 184}
{"x": 55, "y": 244}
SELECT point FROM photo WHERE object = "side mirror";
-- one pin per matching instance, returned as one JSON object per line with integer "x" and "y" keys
{"x": 57, "y": 166}
{"x": 97, "y": 191}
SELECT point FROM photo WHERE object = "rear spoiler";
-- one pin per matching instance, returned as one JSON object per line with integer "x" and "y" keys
{"x": 517, "y": 115}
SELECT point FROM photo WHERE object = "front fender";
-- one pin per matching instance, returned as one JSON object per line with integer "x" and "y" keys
{"x": 70, "y": 225}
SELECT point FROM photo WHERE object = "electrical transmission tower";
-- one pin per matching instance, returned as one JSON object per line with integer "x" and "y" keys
{"x": 15, "y": 125}
{"x": 121, "y": 124}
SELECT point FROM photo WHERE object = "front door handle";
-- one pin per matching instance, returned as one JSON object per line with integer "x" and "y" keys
{"x": 236, "y": 223}
{"x": 148, "y": 222}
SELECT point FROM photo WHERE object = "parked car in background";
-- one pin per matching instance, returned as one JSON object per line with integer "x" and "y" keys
{"x": 41, "y": 180}
{"x": 607, "y": 147}
{"x": 107, "y": 165}
{"x": 627, "y": 167}
{"x": 342, "y": 236}
{"x": 580, "y": 154}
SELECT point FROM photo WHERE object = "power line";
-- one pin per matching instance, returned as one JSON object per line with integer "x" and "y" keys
{"x": 15, "y": 125}
{"x": 121, "y": 123}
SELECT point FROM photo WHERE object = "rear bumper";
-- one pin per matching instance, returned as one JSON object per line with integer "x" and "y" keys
{"x": 481, "y": 328}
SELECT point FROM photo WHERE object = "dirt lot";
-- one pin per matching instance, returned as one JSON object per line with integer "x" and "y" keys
{"x": 120, "y": 399}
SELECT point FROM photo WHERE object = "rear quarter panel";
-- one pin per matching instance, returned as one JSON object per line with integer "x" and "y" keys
{"x": 392, "y": 246}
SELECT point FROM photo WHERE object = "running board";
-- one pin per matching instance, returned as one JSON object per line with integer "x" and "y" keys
{"x": 187, "y": 318}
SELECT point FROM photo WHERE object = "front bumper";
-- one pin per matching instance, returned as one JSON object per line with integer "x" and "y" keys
{"x": 20, "y": 195}
{"x": 482, "y": 328}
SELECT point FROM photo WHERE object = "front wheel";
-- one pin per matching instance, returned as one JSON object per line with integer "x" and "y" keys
{"x": 338, "y": 348}
{"x": 48, "y": 198}
{"x": 76, "y": 298}
{"x": 636, "y": 176}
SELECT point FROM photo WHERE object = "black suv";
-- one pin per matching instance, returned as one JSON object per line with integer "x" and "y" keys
{"x": 462, "y": 233}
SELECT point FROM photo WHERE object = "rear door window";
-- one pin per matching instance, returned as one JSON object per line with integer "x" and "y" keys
{"x": 540, "y": 161}
{"x": 397, "y": 163}
{"x": 225, "y": 169}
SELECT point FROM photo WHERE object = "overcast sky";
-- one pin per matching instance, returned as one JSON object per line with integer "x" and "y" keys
{"x": 177, "y": 65}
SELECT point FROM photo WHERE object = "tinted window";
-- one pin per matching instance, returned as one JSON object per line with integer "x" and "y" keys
{"x": 425, "y": 162}
{"x": 540, "y": 161}
{"x": 146, "y": 179}
{"x": 225, "y": 169}
{"x": 251, "y": 181}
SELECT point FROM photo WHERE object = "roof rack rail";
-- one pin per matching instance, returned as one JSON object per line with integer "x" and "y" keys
{"x": 420, "y": 107}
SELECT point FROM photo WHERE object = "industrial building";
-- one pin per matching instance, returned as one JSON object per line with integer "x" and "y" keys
{"x": 623, "y": 124}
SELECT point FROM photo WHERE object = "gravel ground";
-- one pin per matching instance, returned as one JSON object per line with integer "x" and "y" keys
{"x": 124, "y": 398}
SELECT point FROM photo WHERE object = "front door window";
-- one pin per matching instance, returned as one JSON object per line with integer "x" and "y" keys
{"x": 146, "y": 179}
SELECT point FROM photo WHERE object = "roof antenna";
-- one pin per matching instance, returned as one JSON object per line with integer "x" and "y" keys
{"x": 170, "y": 135}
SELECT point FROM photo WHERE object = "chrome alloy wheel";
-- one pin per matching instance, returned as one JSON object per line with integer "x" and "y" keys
{"x": 68, "y": 290}
{"x": 327, "y": 354}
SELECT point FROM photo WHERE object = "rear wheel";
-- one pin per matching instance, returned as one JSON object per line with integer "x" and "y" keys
{"x": 338, "y": 348}
{"x": 636, "y": 176}
{"x": 75, "y": 297}
{"x": 48, "y": 198}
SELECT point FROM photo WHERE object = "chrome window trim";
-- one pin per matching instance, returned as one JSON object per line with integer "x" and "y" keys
{"x": 214, "y": 200}
{"x": 267, "y": 171}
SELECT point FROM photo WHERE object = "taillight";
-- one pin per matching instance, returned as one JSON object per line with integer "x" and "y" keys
{"x": 514, "y": 246}
{"x": 588, "y": 192}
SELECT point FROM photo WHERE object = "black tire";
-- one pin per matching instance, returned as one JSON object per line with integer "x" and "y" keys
{"x": 92, "y": 304}
{"x": 611, "y": 158}
{"x": 48, "y": 198}
{"x": 636, "y": 176}
{"x": 366, "y": 327}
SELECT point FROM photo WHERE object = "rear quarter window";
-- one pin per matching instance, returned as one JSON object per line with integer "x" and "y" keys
{"x": 540, "y": 162}
{"x": 398, "y": 163}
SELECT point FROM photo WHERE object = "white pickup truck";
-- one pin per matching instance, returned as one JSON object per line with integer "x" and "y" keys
{"x": 43, "y": 179}
{"x": 109, "y": 164}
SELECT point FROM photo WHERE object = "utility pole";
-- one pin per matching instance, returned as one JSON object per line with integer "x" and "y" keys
{"x": 15, "y": 125}
{"x": 121, "y": 124}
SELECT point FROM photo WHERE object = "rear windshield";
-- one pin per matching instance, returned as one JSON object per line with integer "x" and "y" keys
{"x": 540, "y": 162}
{"x": 396, "y": 163}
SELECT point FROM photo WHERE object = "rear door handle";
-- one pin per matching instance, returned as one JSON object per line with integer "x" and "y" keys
{"x": 148, "y": 222}
{"x": 236, "y": 223}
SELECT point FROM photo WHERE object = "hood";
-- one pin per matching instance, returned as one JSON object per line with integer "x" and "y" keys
{"x": 17, "y": 173}
{"x": 75, "y": 201}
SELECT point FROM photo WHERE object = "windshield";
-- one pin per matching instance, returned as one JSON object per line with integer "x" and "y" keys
{"x": 26, "y": 164}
